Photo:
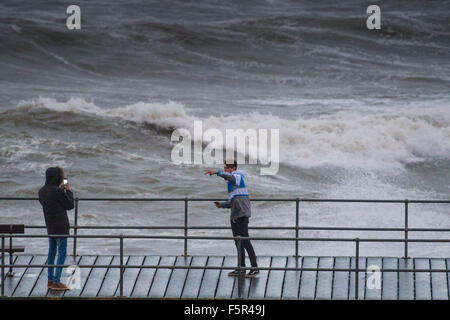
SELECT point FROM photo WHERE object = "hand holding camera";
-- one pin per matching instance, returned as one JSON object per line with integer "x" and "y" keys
{"x": 65, "y": 184}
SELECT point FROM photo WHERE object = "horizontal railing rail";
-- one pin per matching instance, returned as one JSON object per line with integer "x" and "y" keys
{"x": 88, "y": 236}
{"x": 119, "y": 227}
{"x": 128, "y": 266}
{"x": 357, "y": 241}
{"x": 253, "y": 199}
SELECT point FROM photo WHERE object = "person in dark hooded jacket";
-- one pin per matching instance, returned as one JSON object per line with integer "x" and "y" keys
{"x": 56, "y": 198}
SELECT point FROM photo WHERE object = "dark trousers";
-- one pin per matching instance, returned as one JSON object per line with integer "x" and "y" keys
{"x": 240, "y": 228}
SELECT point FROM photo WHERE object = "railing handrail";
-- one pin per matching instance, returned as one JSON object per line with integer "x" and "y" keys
{"x": 109, "y": 236}
{"x": 137, "y": 266}
{"x": 297, "y": 227}
{"x": 120, "y": 227}
{"x": 252, "y": 199}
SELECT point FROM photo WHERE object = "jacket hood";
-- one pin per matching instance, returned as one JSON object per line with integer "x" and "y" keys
{"x": 53, "y": 176}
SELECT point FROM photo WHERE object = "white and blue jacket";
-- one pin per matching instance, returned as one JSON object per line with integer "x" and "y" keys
{"x": 238, "y": 198}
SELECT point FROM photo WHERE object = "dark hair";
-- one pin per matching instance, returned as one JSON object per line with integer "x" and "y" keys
{"x": 230, "y": 165}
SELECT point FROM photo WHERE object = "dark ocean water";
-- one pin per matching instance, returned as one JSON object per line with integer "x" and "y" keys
{"x": 362, "y": 114}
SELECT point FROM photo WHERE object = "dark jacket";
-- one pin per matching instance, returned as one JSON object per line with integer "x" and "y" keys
{"x": 55, "y": 201}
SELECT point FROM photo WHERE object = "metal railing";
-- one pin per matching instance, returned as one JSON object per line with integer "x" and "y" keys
{"x": 238, "y": 240}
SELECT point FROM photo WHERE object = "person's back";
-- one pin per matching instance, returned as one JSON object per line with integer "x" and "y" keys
{"x": 55, "y": 199}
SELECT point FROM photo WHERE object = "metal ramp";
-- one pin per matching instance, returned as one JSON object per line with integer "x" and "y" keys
{"x": 199, "y": 283}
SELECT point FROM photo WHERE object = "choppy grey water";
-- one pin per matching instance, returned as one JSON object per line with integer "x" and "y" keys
{"x": 362, "y": 114}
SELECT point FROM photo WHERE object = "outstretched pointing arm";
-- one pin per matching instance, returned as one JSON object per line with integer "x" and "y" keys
{"x": 227, "y": 176}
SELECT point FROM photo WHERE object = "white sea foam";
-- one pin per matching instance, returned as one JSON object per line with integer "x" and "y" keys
{"x": 362, "y": 139}
{"x": 75, "y": 105}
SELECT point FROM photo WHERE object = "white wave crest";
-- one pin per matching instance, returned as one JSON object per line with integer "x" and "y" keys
{"x": 372, "y": 140}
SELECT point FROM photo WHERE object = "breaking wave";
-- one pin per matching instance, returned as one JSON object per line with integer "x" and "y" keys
{"x": 377, "y": 139}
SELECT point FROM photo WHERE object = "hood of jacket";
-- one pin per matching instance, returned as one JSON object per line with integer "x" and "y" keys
{"x": 53, "y": 177}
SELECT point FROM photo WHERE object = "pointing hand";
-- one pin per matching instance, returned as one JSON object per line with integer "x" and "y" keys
{"x": 211, "y": 172}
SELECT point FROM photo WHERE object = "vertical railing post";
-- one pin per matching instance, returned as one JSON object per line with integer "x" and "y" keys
{"x": 240, "y": 278}
{"x": 75, "y": 228}
{"x": 406, "y": 229}
{"x": 10, "y": 272}
{"x": 357, "y": 269}
{"x": 297, "y": 201}
{"x": 185, "y": 225}
{"x": 121, "y": 266}
{"x": 3, "y": 266}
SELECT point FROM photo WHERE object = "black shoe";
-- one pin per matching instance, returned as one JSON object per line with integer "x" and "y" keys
{"x": 236, "y": 273}
{"x": 252, "y": 273}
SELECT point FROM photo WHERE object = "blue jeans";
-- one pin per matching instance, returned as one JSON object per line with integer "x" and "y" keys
{"x": 59, "y": 244}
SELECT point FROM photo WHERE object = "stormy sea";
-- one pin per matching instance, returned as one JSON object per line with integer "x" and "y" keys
{"x": 362, "y": 114}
